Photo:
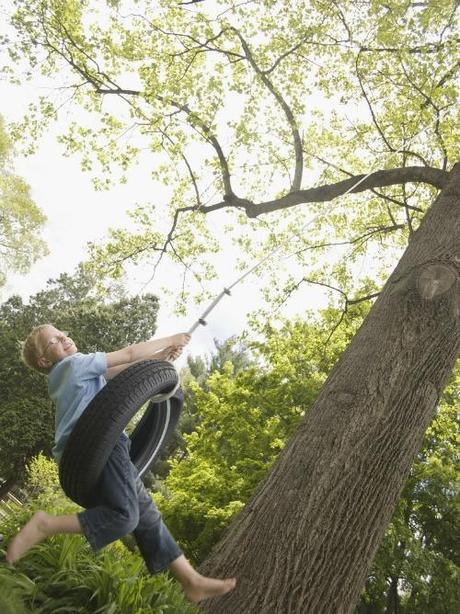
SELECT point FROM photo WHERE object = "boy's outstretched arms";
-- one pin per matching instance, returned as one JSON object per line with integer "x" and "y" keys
{"x": 166, "y": 348}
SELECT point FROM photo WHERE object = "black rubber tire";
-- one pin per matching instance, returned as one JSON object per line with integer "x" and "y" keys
{"x": 154, "y": 430}
{"x": 99, "y": 427}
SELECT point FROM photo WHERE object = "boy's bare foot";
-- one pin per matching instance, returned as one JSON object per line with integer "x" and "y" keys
{"x": 202, "y": 587}
{"x": 32, "y": 533}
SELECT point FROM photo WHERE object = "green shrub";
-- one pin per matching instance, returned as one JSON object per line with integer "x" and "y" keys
{"x": 63, "y": 575}
{"x": 42, "y": 474}
{"x": 14, "y": 590}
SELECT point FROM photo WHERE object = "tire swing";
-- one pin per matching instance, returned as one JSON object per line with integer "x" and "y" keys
{"x": 101, "y": 424}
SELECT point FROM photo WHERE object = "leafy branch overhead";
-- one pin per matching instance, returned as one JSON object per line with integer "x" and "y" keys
{"x": 20, "y": 217}
{"x": 262, "y": 109}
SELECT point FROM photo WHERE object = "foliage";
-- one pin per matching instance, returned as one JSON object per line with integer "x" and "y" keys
{"x": 193, "y": 377}
{"x": 63, "y": 575}
{"x": 20, "y": 218}
{"x": 27, "y": 415}
{"x": 13, "y": 588}
{"x": 42, "y": 474}
{"x": 242, "y": 107}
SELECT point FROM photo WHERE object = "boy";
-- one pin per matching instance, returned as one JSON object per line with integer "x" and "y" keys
{"x": 124, "y": 505}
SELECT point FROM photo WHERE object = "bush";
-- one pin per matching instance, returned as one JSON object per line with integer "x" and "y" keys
{"x": 42, "y": 475}
{"x": 63, "y": 575}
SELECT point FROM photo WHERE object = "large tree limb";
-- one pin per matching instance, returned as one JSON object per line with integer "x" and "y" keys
{"x": 383, "y": 178}
{"x": 390, "y": 199}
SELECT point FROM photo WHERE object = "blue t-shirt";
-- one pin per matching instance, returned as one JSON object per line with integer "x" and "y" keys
{"x": 72, "y": 384}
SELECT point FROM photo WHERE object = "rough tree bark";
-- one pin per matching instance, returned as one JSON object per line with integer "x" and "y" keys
{"x": 306, "y": 540}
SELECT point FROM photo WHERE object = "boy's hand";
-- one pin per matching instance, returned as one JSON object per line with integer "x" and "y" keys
{"x": 170, "y": 353}
{"x": 162, "y": 354}
{"x": 180, "y": 339}
{"x": 174, "y": 352}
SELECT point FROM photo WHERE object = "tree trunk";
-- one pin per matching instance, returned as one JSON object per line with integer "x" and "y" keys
{"x": 6, "y": 486}
{"x": 393, "y": 601}
{"x": 306, "y": 540}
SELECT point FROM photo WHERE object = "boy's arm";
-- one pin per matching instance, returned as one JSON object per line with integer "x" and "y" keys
{"x": 144, "y": 350}
{"x": 169, "y": 353}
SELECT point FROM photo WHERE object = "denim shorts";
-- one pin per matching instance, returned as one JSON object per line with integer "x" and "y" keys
{"x": 124, "y": 506}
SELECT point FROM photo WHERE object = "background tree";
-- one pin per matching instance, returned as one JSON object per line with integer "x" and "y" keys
{"x": 392, "y": 66}
{"x": 20, "y": 218}
{"x": 194, "y": 377}
{"x": 69, "y": 302}
{"x": 417, "y": 567}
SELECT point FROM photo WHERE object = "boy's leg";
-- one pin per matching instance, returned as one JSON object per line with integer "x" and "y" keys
{"x": 116, "y": 516}
{"x": 160, "y": 551}
{"x": 117, "y": 513}
{"x": 156, "y": 544}
{"x": 39, "y": 527}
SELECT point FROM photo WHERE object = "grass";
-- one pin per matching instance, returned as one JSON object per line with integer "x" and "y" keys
{"x": 62, "y": 575}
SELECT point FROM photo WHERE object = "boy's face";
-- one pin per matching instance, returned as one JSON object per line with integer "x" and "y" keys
{"x": 54, "y": 346}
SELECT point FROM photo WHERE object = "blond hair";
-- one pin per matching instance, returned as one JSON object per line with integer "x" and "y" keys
{"x": 31, "y": 349}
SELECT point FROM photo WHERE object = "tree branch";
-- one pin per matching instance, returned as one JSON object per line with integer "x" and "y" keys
{"x": 286, "y": 108}
{"x": 449, "y": 74}
{"x": 347, "y": 304}
{"x": 209, "y": 137}
{"x": 410, "y": 174}
{"x": 428, "y": 48}
{"x": 361, "y": 239}
{"x": 284, "y": 55}
{"x": 374, "y": 118}
{"x": 428, "y": 101}
{"x": 189, "y": 168}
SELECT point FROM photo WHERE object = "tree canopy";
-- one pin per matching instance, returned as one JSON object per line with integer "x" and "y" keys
{"x": 264, "y": 110}
{"x": 20, "y": 218}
